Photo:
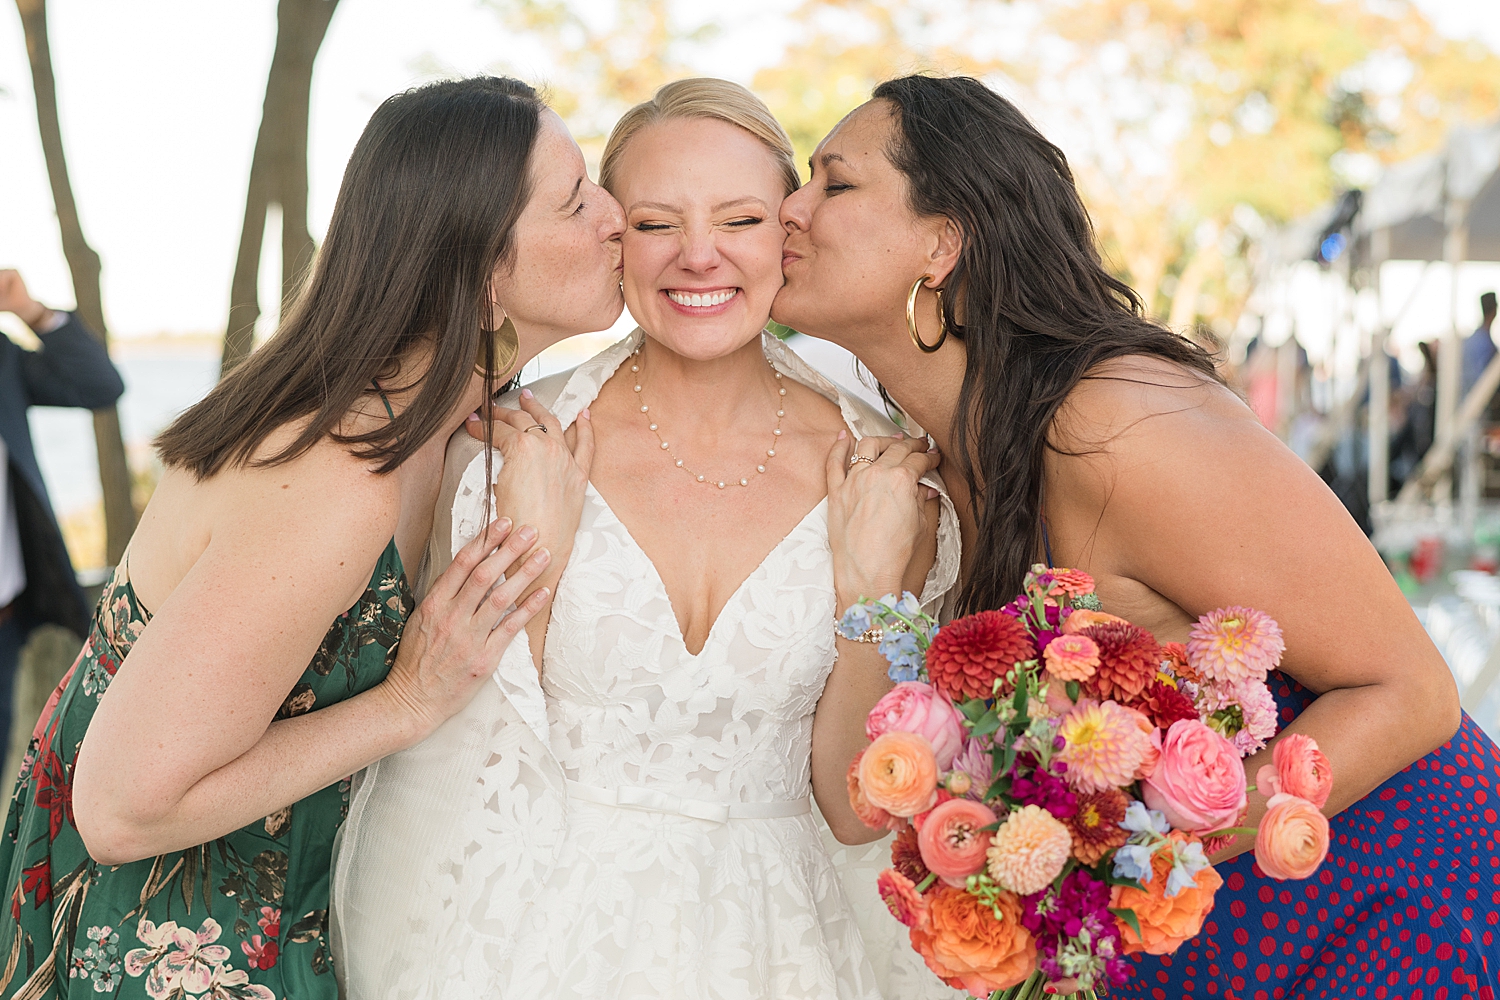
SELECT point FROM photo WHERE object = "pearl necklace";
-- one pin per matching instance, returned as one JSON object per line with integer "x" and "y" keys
{"x": 635, "y": 368}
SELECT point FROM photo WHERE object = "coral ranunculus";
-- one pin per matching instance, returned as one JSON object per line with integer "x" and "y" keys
{"x": 1072, "y": 657}
{"x": 1199, "y": 783}
{"x": 1301, "y": 768}
{"x": 1293, "y": 838}
{"x": 1104, "y": 746}
{"x": 902, "y": 898}
{"x": 1235, "y": 644}
{"x": 914, "y": 707}
{"x": 1029, "y": 851}
{"x": 898, "y": 773}
{"x": 969, "y": 654}
{"x": 1166, "y": 921}
{"x": 1128, "y": 660}
{"x": 871, "y": 816}
{"x": 968, "y": 948}
{"x": 953, "y": 839}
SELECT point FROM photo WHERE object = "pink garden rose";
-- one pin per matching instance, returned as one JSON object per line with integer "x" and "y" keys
{"x": 914, "y": 707}
{"x": 1199, "y": 784}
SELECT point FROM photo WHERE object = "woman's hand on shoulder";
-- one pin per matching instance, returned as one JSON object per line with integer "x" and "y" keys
{"x": 456, "y": 636}
{"x": 542, "y": 479}
{"x": 881, "y": 518}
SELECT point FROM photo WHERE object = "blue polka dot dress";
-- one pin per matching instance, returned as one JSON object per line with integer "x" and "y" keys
{"x": 1407, "y": 904}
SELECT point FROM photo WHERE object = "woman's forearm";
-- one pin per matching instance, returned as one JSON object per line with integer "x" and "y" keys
{"x": 295, "y": 758}
{"x": 857, "y": 682}
{"x": 1367, "y": 733}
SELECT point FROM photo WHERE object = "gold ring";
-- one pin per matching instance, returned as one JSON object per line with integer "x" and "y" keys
{"x": 536, "y": 427}
{"x": 860, "y": 458}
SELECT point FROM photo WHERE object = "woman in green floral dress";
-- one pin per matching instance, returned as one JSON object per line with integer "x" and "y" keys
{"x": 171, "y": 829}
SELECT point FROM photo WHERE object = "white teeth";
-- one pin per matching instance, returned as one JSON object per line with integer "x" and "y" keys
{"x": 703, "y": 300}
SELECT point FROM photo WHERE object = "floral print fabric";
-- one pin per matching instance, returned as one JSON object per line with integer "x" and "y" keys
{"x": 242, "y": 918}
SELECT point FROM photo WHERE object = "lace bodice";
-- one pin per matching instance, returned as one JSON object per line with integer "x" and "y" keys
{"x": 628, "y": 705}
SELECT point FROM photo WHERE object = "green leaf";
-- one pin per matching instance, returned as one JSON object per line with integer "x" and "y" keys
{"x": 1000, "y": 786}
{"x": 1110, "y": 878}
{"x": 987, "y": 724}
{"x": 1010, "y": 759}
{"x": 1072, "y": 688}
{"x": 973, "y": 709}
{"x": 1236, "y": 831}
{"x": 1128, "y": 915}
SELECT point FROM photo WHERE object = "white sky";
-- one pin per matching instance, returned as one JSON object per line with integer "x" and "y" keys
{"x": 160, "y": 102}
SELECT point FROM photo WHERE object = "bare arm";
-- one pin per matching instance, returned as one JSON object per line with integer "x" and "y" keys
{"x": 884, "y": 539}
{"x": 183, "y": 749}
{"x": 1183, "y": 496}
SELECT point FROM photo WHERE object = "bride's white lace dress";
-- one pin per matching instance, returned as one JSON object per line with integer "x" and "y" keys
{"x": 640, "y": 824}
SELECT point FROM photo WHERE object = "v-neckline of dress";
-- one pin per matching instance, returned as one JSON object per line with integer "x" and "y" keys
{"x": 661, "y": 585}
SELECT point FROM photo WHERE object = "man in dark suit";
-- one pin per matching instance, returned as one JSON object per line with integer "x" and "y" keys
{"x": 71, "y": 368}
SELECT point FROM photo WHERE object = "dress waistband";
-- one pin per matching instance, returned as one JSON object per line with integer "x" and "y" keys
{"x": 651, "y": 800}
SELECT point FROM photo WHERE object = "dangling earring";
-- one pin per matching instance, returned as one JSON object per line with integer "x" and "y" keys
{"x": 506, "y": 347}
{"x": 911, "y": 316}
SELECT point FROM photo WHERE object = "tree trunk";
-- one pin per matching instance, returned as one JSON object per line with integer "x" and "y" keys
{"x": 83, "y": 263}
{"x": 278, "y": 171}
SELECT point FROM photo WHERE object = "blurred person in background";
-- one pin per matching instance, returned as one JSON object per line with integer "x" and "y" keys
{"x": 1479, "y": 347}
{"x": 1414, "y": 432}
{"x": 70, "y": 368}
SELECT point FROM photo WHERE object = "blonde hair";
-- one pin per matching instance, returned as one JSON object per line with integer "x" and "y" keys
{"x": 702, "y": 97}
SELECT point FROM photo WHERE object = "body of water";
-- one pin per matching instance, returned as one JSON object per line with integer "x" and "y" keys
{"x": 164, "y": 376}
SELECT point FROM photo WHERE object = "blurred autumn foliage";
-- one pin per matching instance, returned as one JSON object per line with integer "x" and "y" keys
{"x": 1193, "y": 126}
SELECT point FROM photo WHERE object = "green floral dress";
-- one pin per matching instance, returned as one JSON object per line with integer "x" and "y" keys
{"x": 243, "y": 917}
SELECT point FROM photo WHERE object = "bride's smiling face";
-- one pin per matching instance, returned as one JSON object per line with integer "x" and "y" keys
{"x": 702, "y": 244}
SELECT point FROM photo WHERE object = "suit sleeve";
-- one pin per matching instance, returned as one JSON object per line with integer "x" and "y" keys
{"x": 70, "y": 369}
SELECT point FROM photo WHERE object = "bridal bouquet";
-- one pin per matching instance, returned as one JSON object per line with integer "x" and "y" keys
{"x": 1057, "y": 779}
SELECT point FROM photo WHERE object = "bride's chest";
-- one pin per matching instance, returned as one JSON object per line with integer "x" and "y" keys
{"x": 615, "y": 642}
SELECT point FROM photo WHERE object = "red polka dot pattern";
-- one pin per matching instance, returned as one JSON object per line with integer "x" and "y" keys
{"x": 1406, "y": 906}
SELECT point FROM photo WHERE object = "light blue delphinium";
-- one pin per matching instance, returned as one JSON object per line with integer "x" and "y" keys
{"x": 904, "y": 653}
{"x": 856, "y": 621}
{"x": 908, "y": 605}
{"x": 1134, "y": 861}
{"x": 1138, "y": 819}
{"x": 1187, "y": 861}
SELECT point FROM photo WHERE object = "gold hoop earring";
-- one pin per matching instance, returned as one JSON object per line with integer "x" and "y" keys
{"x": 505, "y": 348}
{"x": 911, "y": 316}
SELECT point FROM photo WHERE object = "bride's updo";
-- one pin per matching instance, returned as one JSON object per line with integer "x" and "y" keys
{"x": 701, "y": 97}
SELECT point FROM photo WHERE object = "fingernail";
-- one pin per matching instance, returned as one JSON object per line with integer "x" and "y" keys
{"x": 525, "y": 393}
{"x": 472, "y": 418}
{"x": 527, "y": 533}
{"x": 542, "y": 555}
{"x": 543, "y": 591}
{"x": 843, "y": 434}
{"x": 585, "y": 414}
{"x": 502, "y": 524}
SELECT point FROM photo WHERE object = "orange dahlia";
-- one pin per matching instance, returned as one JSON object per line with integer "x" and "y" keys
{"x": 1096, "y": 825}
{"x": 969, "y": 654}
{"x": 1128, "y": 660}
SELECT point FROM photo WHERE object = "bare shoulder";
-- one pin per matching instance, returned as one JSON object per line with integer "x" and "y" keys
{"x": 1127, "y": 397}
{"x": 324, "y": 508}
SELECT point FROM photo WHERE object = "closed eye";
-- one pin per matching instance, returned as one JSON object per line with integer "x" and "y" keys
{"x": 651, "y": 227}
{"x": 832, "y": 188}
{"x": 749, "y": 221}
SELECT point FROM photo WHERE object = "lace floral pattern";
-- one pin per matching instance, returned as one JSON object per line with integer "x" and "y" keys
{"x": 469, "y": 870}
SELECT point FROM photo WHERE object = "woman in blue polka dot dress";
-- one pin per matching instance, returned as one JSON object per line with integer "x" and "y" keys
{"x": 942, "y": 240}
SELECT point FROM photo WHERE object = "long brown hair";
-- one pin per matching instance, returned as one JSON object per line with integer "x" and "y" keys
{"x": 1039, "y": 310}
{"x": 425, "y": 213}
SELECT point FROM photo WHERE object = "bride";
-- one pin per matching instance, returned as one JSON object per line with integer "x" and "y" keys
{"x": 638, "y": 824}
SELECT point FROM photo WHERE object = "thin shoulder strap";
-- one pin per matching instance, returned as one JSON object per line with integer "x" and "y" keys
{"x": 389, "y": 412}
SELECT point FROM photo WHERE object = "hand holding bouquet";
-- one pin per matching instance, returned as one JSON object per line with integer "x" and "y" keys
{"x": 1057, "y": 780}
